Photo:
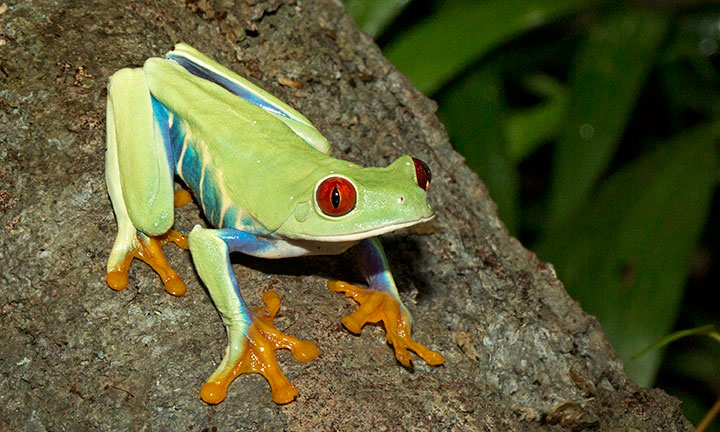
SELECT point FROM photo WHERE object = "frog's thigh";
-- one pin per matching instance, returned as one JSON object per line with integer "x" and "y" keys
{"x": 126, "y": 239}
{"x": 138, "y": 167}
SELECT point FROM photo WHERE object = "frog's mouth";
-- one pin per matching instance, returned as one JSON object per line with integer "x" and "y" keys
{"x": 357, "y": 236}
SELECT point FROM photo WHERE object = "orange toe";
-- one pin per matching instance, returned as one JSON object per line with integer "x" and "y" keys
{"x": 117, "y": 279}
{"x": 174, "y": 285}
{"x": 213, "y": 393}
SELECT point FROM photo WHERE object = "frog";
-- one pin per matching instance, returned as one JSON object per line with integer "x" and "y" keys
{"x": 264, "y": 178}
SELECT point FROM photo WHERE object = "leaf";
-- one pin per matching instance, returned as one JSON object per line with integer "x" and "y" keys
{"x": 527, "y": 129}
{"x": 435, "y": 50}
{"x": 689, "y": 77}
{"x": 374, "y": 16}
{"x": 606, "y": 80}
{"x": 696, "y": 36}
{"x": 695, "y": 362}
{"x": 472, "y": 112}
{"x": 625, "y": 256}
{"x": 706, "y": 330}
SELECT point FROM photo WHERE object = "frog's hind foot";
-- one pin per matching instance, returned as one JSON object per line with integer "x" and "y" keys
{"x": 376, "y": 306}
{"x": 149, "y": 250}
{"x": 258, "y": 355}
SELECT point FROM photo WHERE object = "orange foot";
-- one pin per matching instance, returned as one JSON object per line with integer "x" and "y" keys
{"x": 262, "y": 339}
{"x": 378, "y": 306}
{"x": 149, "y": 250}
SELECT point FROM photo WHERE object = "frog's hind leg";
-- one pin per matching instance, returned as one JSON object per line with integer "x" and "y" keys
{"x": 139, "y": 181}
{"x": 252, "y": 337}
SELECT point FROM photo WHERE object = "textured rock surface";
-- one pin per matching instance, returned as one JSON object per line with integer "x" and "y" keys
{"x": 74, "y": 355}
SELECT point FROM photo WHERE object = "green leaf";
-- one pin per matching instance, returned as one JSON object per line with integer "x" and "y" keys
{"x": 374, "y": 16}
{"x": 609, "y": 72}
{"x": 527, "y": 129}
{"x": 696, "y": 36}
{"x": 689, "y": 77}
{"x": 459, "y": 33}
{"x": 698, "y": 362}
{"x": 706, "y": 330}
{"x": 472, "y": 111}
{"x": 625, "y": 256}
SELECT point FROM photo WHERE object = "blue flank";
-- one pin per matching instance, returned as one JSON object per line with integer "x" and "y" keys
{"x": 191, "y": 172}
{"x": 247, "y": 221}
{"x": 177, "y": 136}
{"x": 230, "y": 218}
{"x": 210, "y": 199}
{"x": 174, "y": 137}
{"x": 228, "y": 85}
{"x": 161, "y": 117}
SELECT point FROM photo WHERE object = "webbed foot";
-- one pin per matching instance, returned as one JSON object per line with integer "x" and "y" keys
{"x": 376, "y": 306}
{"x": 149, "y": 250}
{"x": 258, "y": 356}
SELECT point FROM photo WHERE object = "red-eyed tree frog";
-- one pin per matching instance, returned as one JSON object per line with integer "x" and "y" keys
{"x": 264, "y": 179}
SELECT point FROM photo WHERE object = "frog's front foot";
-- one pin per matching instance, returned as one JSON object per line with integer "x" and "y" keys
{"x": 252, "y": 350}
{"x": 149, "y": 250}
{"x": 376, "y": 306}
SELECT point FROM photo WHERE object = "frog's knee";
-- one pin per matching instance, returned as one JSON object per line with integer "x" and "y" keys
{"x": 204, "y": 242}
{"x": 153, "y": 222}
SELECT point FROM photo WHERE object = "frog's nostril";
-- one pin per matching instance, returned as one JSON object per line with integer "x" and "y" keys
{"x": 401, "y": 199}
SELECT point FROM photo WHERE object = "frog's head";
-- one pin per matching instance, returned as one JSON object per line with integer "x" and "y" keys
{"x": 350, "y": 202}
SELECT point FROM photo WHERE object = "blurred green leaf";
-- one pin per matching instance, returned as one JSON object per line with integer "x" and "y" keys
{"x": 625, "y": 256}
{"x": 525, "y": 130}
{"x": 706, "y": 330}
{"x": 472, "y": 111}
{"x": 439, "y": 47}
{"x": 374, "y": 16}
{"x": 690, "y": 79}
{"x": 696, "y": 36}
{"x": 696, "y": 363}
{"x": 689, "y": 89}
{"x": 607, "y": 77}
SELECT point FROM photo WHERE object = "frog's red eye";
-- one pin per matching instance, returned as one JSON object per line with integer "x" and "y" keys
{"x": 422, "y": 173}
{"x": 336, "y": 196}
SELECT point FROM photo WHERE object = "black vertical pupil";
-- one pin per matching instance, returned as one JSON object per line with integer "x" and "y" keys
{"x": 335, "y": 198}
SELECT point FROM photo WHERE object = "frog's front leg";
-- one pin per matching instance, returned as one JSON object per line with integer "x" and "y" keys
{"x": 139, "y": 178}
{"x": 252, "y": 337}
{"x": 380, "y": 302}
